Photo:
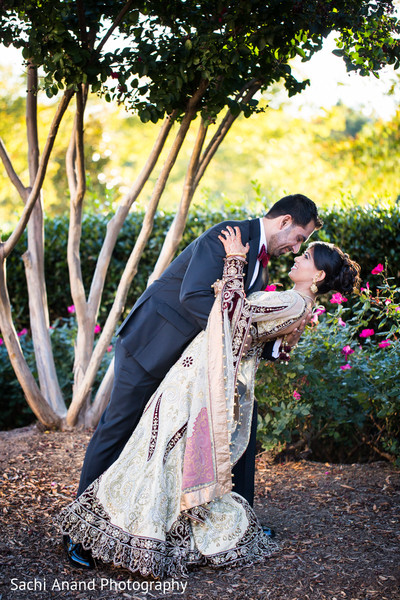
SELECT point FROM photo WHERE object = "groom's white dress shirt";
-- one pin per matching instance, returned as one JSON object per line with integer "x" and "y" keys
{"x": 263, "y": 241}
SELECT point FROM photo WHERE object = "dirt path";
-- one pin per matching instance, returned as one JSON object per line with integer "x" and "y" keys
{"x": 338, "y": 527}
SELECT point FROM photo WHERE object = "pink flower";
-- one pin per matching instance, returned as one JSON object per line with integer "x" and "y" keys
{"x": 385, "y": 344}
{"x": 296, "y": 395}
{"x": 338, "y": 298}
{"x": 314, "y": 319}
{"x": 346, "y": 350}
{"x": 97, "y": 329}
{"x": 367, "y": 333}
{"x": 377, "y": 269}
{"x": 1, "y": 341}
{"x": 345, "y": 367}
{"x": 366, "y": 288}
{"x": 397, "y": 309}
{"x": 388, "y": 301}
{"x": 319, "y": 310}
{"x": 109, "y": 348}
{"x": 71, "y": 309}
{"x": 341, "y": 322}
{"x": 270, "y": 288}
{"x": 22, "y": 332}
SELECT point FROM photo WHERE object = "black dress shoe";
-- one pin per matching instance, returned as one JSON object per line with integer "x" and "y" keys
{"x": 78, "y": 556}
{"x": 268, "y": 531}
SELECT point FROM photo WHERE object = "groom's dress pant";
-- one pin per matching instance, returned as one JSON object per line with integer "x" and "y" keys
{"x": 133, "y": 388}
{"x": 244, "y": 471}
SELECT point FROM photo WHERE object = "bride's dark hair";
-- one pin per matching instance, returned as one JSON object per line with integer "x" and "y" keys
{"x": 342, "y": 273}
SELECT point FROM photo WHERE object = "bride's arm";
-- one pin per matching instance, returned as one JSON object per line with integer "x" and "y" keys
{"x": 232, "y": 284}
{"x": 277, "y": 315}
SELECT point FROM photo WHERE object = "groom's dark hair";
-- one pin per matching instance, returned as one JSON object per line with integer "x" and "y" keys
{"x": 299, "y": 207}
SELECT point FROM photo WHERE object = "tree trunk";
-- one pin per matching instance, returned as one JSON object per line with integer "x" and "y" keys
{"x": 77, "y": 184}
{"x": 33, "y": 395}
{"x": 34, "y": 266}
{"x": 114, "y": 226}
{"x": 102, "y": 398}
{"x": 87, "y": 312}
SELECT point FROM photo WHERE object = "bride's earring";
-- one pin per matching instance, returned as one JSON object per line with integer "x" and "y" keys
{"x": 313, "y": 287}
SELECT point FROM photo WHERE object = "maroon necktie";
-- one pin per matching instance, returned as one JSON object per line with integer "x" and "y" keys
{"x": 263, "y": 257}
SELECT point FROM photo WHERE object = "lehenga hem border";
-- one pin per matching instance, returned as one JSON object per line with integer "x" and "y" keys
{"x": 86, "y": 522}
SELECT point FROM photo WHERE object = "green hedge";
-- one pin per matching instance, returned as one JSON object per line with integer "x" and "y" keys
{"x": 368, "y": 234}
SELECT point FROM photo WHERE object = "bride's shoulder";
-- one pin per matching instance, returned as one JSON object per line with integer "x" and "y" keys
{"x": 263, "y": 298}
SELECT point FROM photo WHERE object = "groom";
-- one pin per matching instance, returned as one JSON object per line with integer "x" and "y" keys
{"x": 166, "y": 318}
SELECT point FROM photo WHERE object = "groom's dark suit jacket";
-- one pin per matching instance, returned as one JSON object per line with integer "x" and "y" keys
{"x": 175, "y": 308}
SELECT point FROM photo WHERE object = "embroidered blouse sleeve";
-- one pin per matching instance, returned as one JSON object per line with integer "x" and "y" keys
{"x": 275, "y": 312}
{"x": 233, "y": 295}
{"x": 264, "y": 315}
{"x": 271, "y": 312}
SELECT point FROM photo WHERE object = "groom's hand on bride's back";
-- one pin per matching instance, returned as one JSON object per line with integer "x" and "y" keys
{"x": 294, "y": 336}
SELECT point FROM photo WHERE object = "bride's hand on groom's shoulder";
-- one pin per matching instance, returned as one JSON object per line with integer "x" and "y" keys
{"x": 231, "y": 239}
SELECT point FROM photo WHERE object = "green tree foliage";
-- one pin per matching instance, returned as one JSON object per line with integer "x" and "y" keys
{"x": 175, "y": 45}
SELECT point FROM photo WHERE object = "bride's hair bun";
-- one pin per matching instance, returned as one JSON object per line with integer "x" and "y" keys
{"x": 341, "y": 273}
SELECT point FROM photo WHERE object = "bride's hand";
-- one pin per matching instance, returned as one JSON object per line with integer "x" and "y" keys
{"x": 232, "y": 241}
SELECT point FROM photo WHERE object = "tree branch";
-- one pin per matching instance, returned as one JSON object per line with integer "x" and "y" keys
{"x": 102, "y": 398}
{"x": 31, "y": 123}
{"x": 82, "y": 22}
{"x": 75, "y": 226}
{"x": 177, "y": 228}
{"x": 15, "y": 180}
{"x": 12, "y": 241}
{"x": 194, "y": 174}
{"x": 115, "y": 224}
{"x": 117, "y": 21}
{"x": 251, "y": 88}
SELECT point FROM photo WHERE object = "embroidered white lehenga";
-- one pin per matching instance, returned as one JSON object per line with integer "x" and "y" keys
{"x": 168, "y": 503}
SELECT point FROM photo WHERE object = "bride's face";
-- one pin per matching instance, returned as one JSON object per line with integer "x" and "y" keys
{"x": 304, "y": 269}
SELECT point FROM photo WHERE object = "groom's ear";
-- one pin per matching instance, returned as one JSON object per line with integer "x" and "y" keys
{"x": 285, "y": 221}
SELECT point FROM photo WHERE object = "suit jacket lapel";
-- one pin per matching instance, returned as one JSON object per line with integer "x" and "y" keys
{"x": 254, "y": 241}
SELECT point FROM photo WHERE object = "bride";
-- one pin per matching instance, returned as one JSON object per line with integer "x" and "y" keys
{"x": 168, "y": 503}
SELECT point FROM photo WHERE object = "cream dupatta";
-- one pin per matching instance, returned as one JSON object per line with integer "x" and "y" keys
{"x": 221, "y": 413}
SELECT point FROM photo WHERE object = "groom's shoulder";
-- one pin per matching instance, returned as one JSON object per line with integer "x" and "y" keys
{"x": 245, "y": 223}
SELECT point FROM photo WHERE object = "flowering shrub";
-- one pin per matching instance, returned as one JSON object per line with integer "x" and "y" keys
{"x": 338, "y": 398}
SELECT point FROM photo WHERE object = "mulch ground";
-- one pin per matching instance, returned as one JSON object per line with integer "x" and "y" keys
{"x": 338, "y": 527}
